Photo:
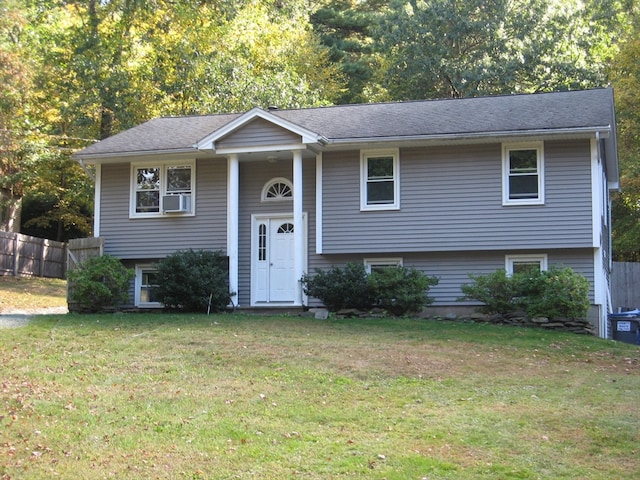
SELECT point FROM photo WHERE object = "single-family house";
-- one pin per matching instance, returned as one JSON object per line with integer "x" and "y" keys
{"x": 451, "y": 187}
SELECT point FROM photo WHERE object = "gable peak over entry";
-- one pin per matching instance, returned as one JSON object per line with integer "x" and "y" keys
{"x": 219, "y": 140}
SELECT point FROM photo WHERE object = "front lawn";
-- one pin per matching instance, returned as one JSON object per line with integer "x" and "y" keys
{"x": 251, "y": 397}
{"x": 31, "y": 293}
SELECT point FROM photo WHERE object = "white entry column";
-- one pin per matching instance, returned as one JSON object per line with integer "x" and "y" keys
{"x": 298, "y": 231}
{"x": 233, "y": 201}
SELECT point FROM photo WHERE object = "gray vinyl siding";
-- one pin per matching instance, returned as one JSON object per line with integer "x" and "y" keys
{"x": 253, "y": 177}
{"x": 453, "y": 268}
{"x": 451, "y": 200}
{"x": 259, "y": 133}
{"x": 144, "y": 238}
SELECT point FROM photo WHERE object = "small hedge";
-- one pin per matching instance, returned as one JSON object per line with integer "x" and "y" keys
{"x": 398, "y": 291}
{"x": 401, "y": 290}
{"x": 556, "y": 293}
{"x": 194, "y": 281}
{"x": 340, "y": 288}
{"x": 99, "y": 283}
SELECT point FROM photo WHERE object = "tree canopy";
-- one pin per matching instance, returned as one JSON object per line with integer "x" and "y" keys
{"x": 77, "y": 71}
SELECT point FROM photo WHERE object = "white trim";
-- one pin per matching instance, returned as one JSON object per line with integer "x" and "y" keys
{"x": 509, "y": 260}
{"x": 580, "y": 132}
{"x": 208, "y": 142}
{"x": 163, "y": 165}
{"x": 233, "y": 195}
{"x": 256, "y": 218}
{"x": 600, "y": 292}
{"x": 601, "y": 289}
{"x": 139, "y": 270}
{"x": 270, "y": 183}
{"x": 299, "y": 255}
{"x": 539, "y": 148}
{"x": 364, "y": 157}
{"x": 372, "y": 261}
{"x": 262, "y": 149}
{"x": 97, "y": 204}
{"x": 597, "y": 195}
{"x": 319, "y": 204}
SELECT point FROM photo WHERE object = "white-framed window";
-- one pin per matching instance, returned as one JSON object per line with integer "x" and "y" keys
{"x": 277, "y": 190}
{"x": 523, "y": 174}
{"x": 145, "y": 281}
{"x": 524, "y": 263}
{"x": 380, "y": 179}
{"x": 373, "y": 264}
{"x": 162, "y": 188}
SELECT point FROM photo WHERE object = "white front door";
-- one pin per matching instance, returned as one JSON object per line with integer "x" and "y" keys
{"x": 273, "y": 267}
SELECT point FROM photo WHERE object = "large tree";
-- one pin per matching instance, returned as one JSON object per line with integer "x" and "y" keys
{"x": 77, "y": 71}
{"x": 345, "y": 27}
{"x": 626, "y": 204}
{"x": 454, "y": 48}
{"x": 15, "y": 78}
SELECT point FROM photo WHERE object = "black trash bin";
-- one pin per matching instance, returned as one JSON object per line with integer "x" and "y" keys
{"x": 626, "y": 326}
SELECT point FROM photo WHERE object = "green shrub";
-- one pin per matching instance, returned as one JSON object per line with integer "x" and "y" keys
{"x": 340, "y": 288}
{"x": 555, "y": 293}
{"x": 99, "y": 283}
{"x": 397, "y": 290}
{"x": 401, "y": 290}
{"x": 498, "y": 292}
{"x": 194, "y": 281}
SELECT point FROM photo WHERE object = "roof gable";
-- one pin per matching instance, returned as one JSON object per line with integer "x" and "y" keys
{"x": 252, "y": 118}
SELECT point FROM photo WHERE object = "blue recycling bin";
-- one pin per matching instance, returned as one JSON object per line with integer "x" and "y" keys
{"x": 625, "y": 326}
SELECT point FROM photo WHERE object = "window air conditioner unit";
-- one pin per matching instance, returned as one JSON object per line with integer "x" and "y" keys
{"x": 175, "y": 203}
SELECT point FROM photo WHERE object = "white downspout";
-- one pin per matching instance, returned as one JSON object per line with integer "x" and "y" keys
{"x": 319, "y": 203}
{"x": 97, "y": 188}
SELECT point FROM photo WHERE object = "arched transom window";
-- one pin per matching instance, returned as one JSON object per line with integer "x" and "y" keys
{"x": 286, "y": 228}
{"x": 277, "y": 189}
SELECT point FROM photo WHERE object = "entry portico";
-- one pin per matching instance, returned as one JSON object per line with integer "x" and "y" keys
{"x": 259, "y": 135}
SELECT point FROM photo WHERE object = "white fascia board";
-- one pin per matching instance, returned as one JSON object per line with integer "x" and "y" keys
{"x": 258, "y": 149}
{"x": 123, "y": 157}
{"x": 583, "y": 132}
{"x": 307, "y": 136}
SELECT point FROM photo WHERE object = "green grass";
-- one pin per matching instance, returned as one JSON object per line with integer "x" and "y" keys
{"x": 239, "y": 397}
{"x": 26, "y": 293}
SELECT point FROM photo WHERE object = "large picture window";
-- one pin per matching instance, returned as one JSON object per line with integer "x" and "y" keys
{"x": 380, "y": 183}
{"x": 523, "y": 174}
{"x": 162, "y": 188}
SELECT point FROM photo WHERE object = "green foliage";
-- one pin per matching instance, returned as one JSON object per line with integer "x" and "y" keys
{"x": 401, "y": 290}
{"x": 447, "y": 48}
{"x": 497, "y": 291}
{"x": 340, "y": 288}
{"x": 556, "y": 293}
{"x": 397, "y": 290}
{"x": 194, "y": 281}
{"x": 344, "y": 27}
{"x": 99, "y": 283}
{"x": 625, "y": 76}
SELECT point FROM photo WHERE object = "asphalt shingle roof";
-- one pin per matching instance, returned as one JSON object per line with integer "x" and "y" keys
{"x": 467, "y": 116}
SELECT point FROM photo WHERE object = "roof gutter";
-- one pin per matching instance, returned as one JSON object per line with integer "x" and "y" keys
{"x": 603, "y": 131}
{"x": 96, "y": 157}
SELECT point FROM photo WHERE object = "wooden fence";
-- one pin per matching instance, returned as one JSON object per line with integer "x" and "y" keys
{"x": 23, "y": 255}
{"x": 625, "y": 286}
{"x": 80, "y": 249}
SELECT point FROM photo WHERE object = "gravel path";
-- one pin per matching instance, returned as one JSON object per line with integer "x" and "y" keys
{"x": 19, "y": 318}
